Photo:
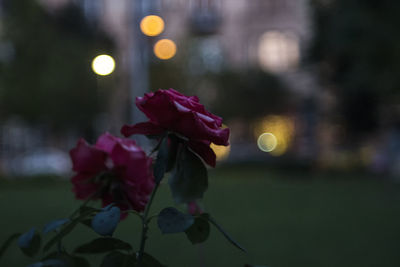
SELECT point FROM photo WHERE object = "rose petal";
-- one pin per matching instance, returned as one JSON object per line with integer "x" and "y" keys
{"x": 83, "y": 187}
{"x": 204, "y": 151}
{"x": 185, "y": 115}
{"x": 86, "y": 158}
{"x": 158, "y": 107}
{"x": 137, "y": 199}
{"x": 147, "y": 128}
{"x": 194, "y": 208}
{"x": 131, "y": 179}
{"x": 191, "y": 126}
{"x": 192, "y": 103}
{"x": 139, "y": 173}
{"x": 106, "y": 142}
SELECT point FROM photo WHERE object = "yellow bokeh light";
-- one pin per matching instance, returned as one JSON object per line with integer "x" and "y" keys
{"x": 222, "y": 152}
{"x": 103, "y": 65}
{"x": 165, "y": 49}
{"x": 267, "y": 142}
{"x": 152, "y": 25}
{"x": 281, "y": 128}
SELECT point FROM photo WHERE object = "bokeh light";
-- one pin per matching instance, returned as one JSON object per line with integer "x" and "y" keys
{"x": 267, "y": 142}
{"x": 276, "y": 127}
{"x": 222, "y": 152}
{"x": 152, "y": 25}
{"x": 278, "y": 51}
{"x": 165, "y": 49}
{"x": 103, "y": 65}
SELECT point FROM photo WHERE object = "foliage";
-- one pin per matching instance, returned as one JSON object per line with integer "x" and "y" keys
{"x": 357, "y": 49}
{"x": 115, "y": 170}
{"x": 256, "y": 93}
{"x": 47, "y": 78}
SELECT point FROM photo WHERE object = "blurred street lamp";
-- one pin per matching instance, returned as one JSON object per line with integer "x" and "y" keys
{"x": 103, "y": 65}
{"x": 152, "y": 25}
{"x": 165, "y": 49}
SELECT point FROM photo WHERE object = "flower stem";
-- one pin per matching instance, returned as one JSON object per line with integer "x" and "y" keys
{"x": 81, "y": 206}
{"x": 145, "y": 226}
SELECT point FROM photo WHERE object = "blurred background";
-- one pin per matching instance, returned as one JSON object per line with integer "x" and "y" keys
{"x": 309, "y": 88}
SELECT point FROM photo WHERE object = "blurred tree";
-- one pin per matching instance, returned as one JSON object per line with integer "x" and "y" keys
{"x": 48, "y": 79}
{"x": 244, "y": 94}
{"x": 167, "y": 74}
{"x": 248, "y": 94}
{"x": 357, "y": 48}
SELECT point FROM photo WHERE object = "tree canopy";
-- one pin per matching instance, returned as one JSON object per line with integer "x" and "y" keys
{"x": 357, "y": 48}
{"x": 47, "y": 78}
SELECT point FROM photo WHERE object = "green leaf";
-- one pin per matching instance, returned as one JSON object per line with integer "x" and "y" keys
{"x": 86, "y": 209}
{"x": 199, "y": 231}
{"x": 64, "y": 259}
{"x": 66, "y": 229}
{"x": 57, "y": 255}
{"x": 226, "y": 235}
{"x": 149, "y": 261}
{"x": 54, "y": 225}
{"x": 36, "y": 264}
{"x": 105, "y": 222}
{"x": 7, "y": 243}
{"x": 170, "y": 221}
{"x": 87, "y": 222}
{"x": 162, "y": 160}
{"x": 189, "y": 179}
{"x": 118, "y": 259}
{"x": 29, "y": 242}
{"x": 103, "y": 244}
{"x": 55, "y": 263}
{"x": 80, "y": 262}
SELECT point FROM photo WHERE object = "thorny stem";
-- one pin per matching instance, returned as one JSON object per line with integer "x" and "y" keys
{"x": 145, "y": 226}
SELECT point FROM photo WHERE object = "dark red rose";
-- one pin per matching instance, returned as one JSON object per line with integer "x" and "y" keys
{"x": 169, "y": 110}
{"x": 115, "y": 170}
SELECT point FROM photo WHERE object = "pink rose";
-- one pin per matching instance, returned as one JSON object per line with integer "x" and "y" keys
{"x": 115, "y": 170}
{"x": 194, "y": 208}
{"x": 169, "y": 110}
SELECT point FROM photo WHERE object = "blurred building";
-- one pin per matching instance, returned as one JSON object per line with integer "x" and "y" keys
{"x": 272, "y": 34}
{"x": 269, "y": 34}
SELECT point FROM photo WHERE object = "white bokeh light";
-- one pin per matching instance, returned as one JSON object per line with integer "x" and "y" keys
{"x": 103, "y": 65}
{"x": 267, "y": 142}
{"x": 278, "y": 51}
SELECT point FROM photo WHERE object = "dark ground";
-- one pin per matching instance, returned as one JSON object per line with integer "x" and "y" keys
{"x": 283, "y": 219}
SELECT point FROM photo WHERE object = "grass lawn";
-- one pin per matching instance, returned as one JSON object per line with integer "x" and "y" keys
{"x": 283, "y": 219}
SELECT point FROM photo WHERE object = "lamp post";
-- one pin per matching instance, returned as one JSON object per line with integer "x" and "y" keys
{"x": 139, "y": 59}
